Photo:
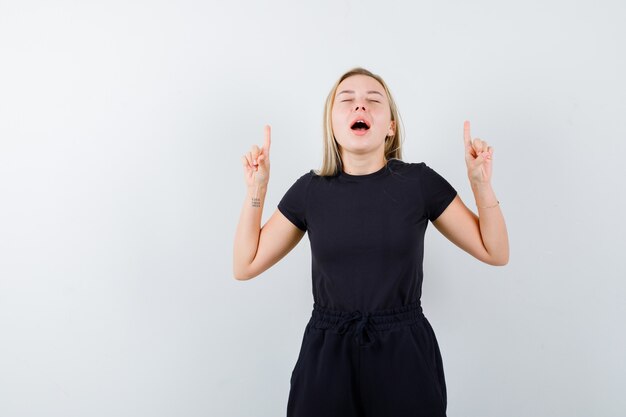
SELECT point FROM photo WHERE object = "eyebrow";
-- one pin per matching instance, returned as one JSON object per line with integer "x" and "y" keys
{"x": 352, "y": 92}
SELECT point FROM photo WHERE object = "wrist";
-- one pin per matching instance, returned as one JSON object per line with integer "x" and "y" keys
{"x": 257, "y": 190}
{"x": 256, "y": 195}
{"x": 480, "y": 186}
{"x": 484, "y": 195}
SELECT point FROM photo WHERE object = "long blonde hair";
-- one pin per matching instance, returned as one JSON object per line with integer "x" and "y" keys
{"x": 331, "y": 162}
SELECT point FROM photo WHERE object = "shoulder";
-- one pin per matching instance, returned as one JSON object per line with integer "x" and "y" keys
{"x": 297, "y": 192}
{"x": 306, "y": 177}
{"x": 415, "y": 172}
{"x": 313, "y": 176}
{"x": 302, "y": 182}
{"x": 410, "y": 170}
{"x": 419, "y": 169}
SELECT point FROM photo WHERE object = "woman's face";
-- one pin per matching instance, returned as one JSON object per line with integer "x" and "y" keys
{"x": 361, "y": 116}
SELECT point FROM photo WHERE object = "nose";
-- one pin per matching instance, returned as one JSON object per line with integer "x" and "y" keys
{"x": 359, "y": 107}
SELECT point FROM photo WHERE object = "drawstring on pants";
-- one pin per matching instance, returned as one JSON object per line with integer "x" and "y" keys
{"x": 367, "y": 323}
{"x": 362, "y": 327}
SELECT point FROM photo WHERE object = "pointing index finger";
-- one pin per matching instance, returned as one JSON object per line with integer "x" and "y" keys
{"x": 466, "y": 133}
{"x": 268, "y": 140}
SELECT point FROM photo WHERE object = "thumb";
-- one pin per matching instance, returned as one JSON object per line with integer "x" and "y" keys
{"x": 480, "y": 159}
{"x": 263, "y": 162}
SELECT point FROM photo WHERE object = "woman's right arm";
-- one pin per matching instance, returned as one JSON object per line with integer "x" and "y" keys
{"x": 257, "y": 249}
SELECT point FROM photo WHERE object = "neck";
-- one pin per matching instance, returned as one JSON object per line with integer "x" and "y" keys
{"x": 355, "y": 166}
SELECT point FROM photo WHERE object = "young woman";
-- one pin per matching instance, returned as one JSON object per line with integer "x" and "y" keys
{"x": 368, "y": 349}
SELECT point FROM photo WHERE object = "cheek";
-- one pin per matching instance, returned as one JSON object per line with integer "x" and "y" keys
{"x": 384, "y": 116}
{"x": 335, "y": 119}
{"x": 336, "y": 129}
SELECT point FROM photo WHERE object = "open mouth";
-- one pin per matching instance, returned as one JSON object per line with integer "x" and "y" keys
{"x": 360, "y": 125}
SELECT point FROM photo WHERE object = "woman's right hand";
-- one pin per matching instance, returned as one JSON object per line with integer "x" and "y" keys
{"x": 256, "y": 163}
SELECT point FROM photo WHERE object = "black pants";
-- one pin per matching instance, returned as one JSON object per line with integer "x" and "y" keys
{"x": 379, "y": 364}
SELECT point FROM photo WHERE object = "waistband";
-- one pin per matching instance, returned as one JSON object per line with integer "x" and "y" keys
{"x": 366, "y": 321}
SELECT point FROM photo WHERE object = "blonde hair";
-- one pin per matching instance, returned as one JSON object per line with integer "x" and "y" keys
{"x": 331, "y": 162}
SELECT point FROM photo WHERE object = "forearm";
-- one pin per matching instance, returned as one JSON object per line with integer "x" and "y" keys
{"x": 248, "y": 231}
{"x": 491, "y": 222}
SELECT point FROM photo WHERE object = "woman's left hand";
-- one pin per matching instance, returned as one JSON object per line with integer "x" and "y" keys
{"x": 478, "y": 157}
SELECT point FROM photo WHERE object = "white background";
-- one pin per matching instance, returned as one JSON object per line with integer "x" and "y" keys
{"x": 122, "y": 124}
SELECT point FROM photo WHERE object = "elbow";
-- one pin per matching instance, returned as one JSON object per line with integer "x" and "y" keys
{"x": 497, "y": 259}
{"x": 243, "y": 274}
{"x": 241, "y": 268}
{"x": 238, "y": 277}
{"x": 502, "y": 261}
{"x": 240, "y": 273}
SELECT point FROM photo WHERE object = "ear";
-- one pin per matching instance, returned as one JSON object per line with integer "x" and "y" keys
{"x": 392, "y": 128}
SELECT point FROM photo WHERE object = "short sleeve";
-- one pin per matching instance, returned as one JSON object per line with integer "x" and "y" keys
{"x": 293, "y": 203}
{"x": 437, "y": 192}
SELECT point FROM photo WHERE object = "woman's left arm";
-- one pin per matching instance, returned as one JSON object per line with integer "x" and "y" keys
{"x": 483, "y": 237}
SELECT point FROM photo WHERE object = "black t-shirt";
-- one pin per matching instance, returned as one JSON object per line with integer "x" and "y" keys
{"x": 367, "y": 232}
